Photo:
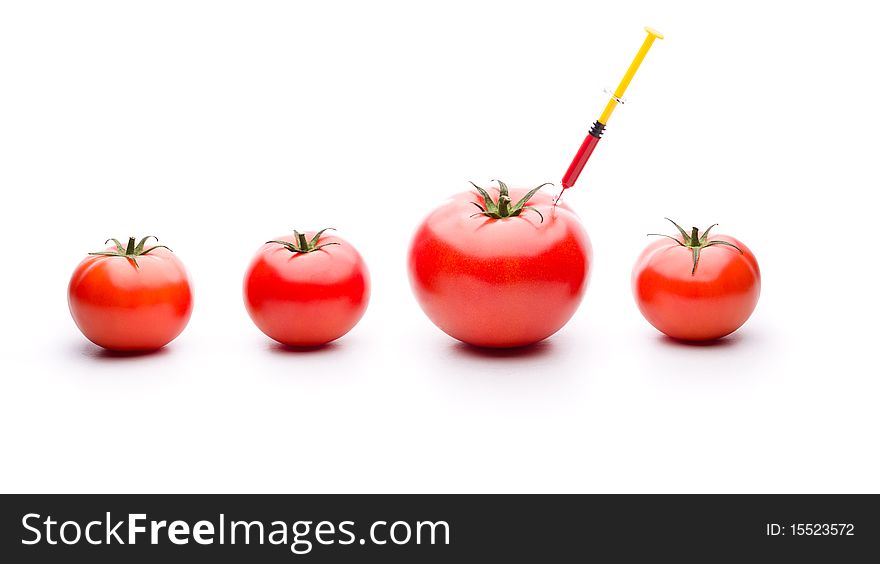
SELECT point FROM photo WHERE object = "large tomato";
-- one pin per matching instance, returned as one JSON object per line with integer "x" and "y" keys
{"x": 500, "y": 268}
{"x": 130, "y": 298}
{"x": 696, "y": 288}
{"x": 307, "y": 289}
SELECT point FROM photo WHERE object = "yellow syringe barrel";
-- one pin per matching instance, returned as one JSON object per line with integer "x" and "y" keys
{"x": 630, "y": 72}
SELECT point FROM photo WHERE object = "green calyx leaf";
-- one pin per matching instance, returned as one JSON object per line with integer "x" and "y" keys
{"x": 504, "y": 206}
{"x": 304, "y": 245}
{"x": 131, "y": 250}
{"x": 695, "y": 241}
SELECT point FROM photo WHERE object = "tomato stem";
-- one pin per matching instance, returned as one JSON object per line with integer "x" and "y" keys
{"x": 504, "y": 206}
{"x": 695, "y": 242}
{"x": 131, "y": 251}
{"x": 302, "y": 244}
{"x": 302, "y": 240}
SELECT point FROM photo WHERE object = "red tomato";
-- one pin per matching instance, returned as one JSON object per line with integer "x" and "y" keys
{"x": 307, "y": 289}
{"x": 695, "y": 288}
{"x": 130, "y": 298}
{"x": 492, "y": 275}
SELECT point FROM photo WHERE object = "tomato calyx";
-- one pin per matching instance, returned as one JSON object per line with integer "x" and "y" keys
{"x": 695, "y": 241}
{"x": 503, "y": 206}
{"x": 303, "y": 244}
{"x": 131, "y": 251}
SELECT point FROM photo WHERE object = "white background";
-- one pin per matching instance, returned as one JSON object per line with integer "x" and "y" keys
{"x": 217, "y": 125}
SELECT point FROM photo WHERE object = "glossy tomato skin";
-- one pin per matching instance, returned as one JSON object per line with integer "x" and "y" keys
{"x": 500, "y": 283}
{"x": 123, "y": 307}
{"x": 713, "y": 302}
{"x": 307, "y": 299}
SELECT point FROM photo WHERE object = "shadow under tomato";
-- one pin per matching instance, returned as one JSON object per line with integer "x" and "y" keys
{"x": 724, "y": 342}
{"x": 94, "y": 352}
{"x": 535, "y": 350}
{"x": 281, "y": 349}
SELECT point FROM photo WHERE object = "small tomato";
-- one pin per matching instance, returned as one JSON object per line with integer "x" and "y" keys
{"x": 695, "y": 288}
{"x": 307, "y": 289}
{"x": 131, "y": 298}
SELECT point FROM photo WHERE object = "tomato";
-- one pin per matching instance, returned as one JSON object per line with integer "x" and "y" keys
{"x": 307, "y": 289}
{"x": 696, "y": 288}
{"x": 494, "y": 273}
{"x": 131, "y": 298}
